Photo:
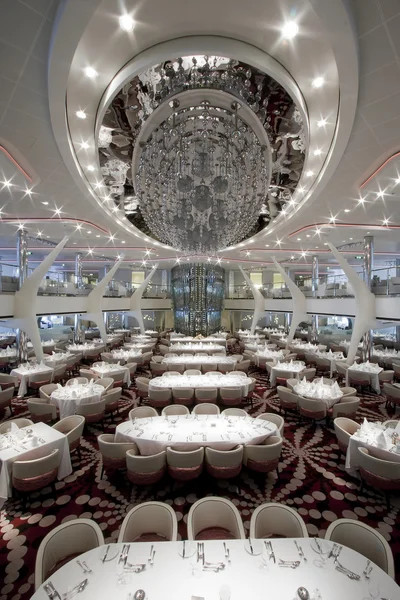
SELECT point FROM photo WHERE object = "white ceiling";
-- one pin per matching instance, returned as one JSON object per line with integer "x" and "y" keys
{"x": 26, "y": 129}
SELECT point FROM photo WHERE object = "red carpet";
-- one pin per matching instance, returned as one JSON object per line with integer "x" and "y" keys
{"x": 313, "y": 481}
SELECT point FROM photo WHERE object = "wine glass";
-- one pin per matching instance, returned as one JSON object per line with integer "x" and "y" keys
{"x": 319, "y": 548}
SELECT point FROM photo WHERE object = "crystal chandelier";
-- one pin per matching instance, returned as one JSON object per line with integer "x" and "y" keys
{"x": 202, "y": 178}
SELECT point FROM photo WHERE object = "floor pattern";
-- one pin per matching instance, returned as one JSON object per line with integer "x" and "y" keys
{"x": 313, "y": 481}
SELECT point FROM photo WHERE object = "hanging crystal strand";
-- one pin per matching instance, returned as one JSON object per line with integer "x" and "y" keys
{"x": 194, "y": 75}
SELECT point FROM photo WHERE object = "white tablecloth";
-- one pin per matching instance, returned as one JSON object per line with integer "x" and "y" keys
{"x": 23, "y": 373}
{"x": 57, "y": 359}
{"x": 178, "y": 348}
{"x": 191, "y": 431}
{"x": 372, "y": 374}
{"x": 333, "y": 357}
{"x": 84, "y": 348}
{"x": 268, "y": 355}
{"x": 69, "y": 397}
{"x": 245, "y": 577}
{"x": 206, "y": 340}
{"x": 293, "y": 371}
{"x": 202, "y": 360}
{"x": 144, "y": 347}
{"x": 125, "y": 356}
{"x": 316, "y": 390}
{"x": 53, "y": 439}
{"x": 353, "y": 456}
{"x": 111, "y": 369}
{"x": 199, "y": 381}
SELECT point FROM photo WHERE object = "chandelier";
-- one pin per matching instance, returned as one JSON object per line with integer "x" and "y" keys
{"x": 202, "y": 177}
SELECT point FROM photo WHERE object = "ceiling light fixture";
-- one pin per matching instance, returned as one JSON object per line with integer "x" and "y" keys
{"x": 317, "y": 152}
{"x": 385, "y": 221}
{"x": 318, "y": 82}
{"x": 290, "y": 30}
{"x": 126, "y": 23}
{"x": 346, "y": 210}
{"x": 322, "y": 123}
{"x": 84, "y": 145}
{"x": 309, "y": 173}
{"x": 332, "y": 219}
{"x": 380, "y": 194}
{"x": 91, "y": 73}
{"x": 45, "y": 203}
{"x": 81, "y": 114}
{"x": 361, "y": 200}
{"x": 90, "y": 168}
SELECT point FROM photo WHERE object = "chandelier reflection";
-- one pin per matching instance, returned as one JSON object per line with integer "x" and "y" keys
{"x": 202, "y": 177}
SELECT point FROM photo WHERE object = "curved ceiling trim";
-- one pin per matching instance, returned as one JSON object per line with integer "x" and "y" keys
{"x": 335, "y": 225}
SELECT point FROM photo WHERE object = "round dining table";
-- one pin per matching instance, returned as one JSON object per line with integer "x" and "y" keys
{"x": 232, "y": 570}
{"x": 69, "y": 397}
{"x": 208, "y": 380}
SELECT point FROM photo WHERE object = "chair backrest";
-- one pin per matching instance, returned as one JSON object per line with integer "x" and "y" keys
{"x": 182, "y": 392}
{"x": 36, "y": 377}
{"x": 75, "y": 380}
{"x": 344, "y": 429}
{"x": 285, "y": 395}
{"x": 377, "y": 466}
{"x": 386, "y": 376}
{"x": 391, "y": 390}
{"x": 142, "y": 412}
{"x": 206, "y": 393}
{"x": 71, "y": 538}
{"x": 224, "y": 458}
{"x": 274, "y": 519}
{"x": 309, "y": 374}
{"x": 363, "y": 539}
{"x": 214, "y": 512}
{"x": 162, "y": 394}
{"x": 347, "y": 405}
{"x": 105, "y": 382}
{"x": 193, "y": 371}
{"x": 173, "y": 371}
{"x": 22, "y": 469}
{"x": 312, "y": 405}
{"x": 145, "y": 464}
{"x": 109, "y": 448}
{"x": 359, "y": 376}
{"x": 233, "y": 392}
{"x": 234, "y": 412}
{"x": 71, "y": 426}
{"x": 112, "y": 395}
{"x": 243, "y": 365}
{"x": 92, "y": 408}
{"x": 206, "y": 409}
{"x": 175, "y": 409}
{"x": 149, "y": 517}
{"x": 20, "y": 422}
{"x": 182, "y": 459}
{"x": 273, "y": 418}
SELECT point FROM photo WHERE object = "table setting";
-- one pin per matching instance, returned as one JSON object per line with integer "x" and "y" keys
{"x": 57, "y": 358}
{"x": 293, "y": 369}
{"x": 124, "y": 356}
{"x": 187, "y": 432}
{"x": 8, "y": 352}
{"x": 307, "y": 346}
{"x": 84, "y": 348}
{"x": 104, "y": 369}
{"x": 24, "y": 371}
{"x": 196, "y": 347}
{"x": 28, "y": 443}
{"x": 204, "y": 340}
{"x": 144, "y": 347}
{"x": 331, "y": 356}
{"x": 289, "y": 569}
{"x": 384, "y": 441}
{"x": 138, "y": 337}
{"x": 373, "y": 371}
{"x": 67, "y": 398}
{"x": 202, "y": 360}
{"x": 330, "y": 394}
{"x": 214, "y": 380}
{"x": 268, "y": 355}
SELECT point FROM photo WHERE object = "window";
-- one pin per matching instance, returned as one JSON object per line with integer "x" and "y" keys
{"x": 256, "y": 278}
{"x": 278, "y": 280}
{"x": 137, "y": 277}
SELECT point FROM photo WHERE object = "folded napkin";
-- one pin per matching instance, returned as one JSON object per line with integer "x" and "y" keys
{"x": 364, "y": 427}
{"x": 13, "y": 428}
{"x": 59, "y": 386}
{"x": 381, "y": 441}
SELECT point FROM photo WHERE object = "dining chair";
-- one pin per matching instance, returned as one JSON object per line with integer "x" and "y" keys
{"x": 142, "y": 388}
{"x": 41, "y": 410}
{"x": 309, "y": 374}
{"x": 59, "y": 373}
{"x": 386, "y": 376}
{"x": 19, "y": 422}
{"x": 157, "y": 369}
{"x": 273, "y": 418}
{"x": 132, "y": 368}
{"x": 206, "y": 408}
{"x": 359, "y": 379}
{"x": 149, "y": 522}
{"x": 63, "y": 544}
{"x": 391, "y": 423}
{"x": 175, "y": 369}
{"x": 195, "y": 371}
{"x": 112, "y": 398}
{"x": 243, "y": 366}
{"x": 214, "y": 518}
{"x": 8, "y": 381}
{"x": 87, "y": 374}
{"x": 157, "y": 359}
{"x": 72, "y": 427}
{"x": 205, "y": 395}
{"x": 272, "y": 519}
{"x": 264, "y": 457}
{"x": 175, "y": 409}
{"x": 159, "y": 398}
{"x": 6, "y": 397}
{"x": 344, "y": 429}
{"x": 142, "y": 412}
{"x": 224, "y": 464}
{"x": 32, "y": 475}
{"x": 145, "y": 470}
{"x": 93, "y": 412}
{"x": 378, "y": 473}
{"x": 185, "y": 465}
{"x": 77, "y": 381}
{"x": 312, "y": 408}
{"x": 392, "y": 395}
{"x": 348, "y": 391}
{"x": 234, "y": 412}
{"x": 288, "y": 399}
{"x": 323, "y": 365}
{"x": 225, "y": 367}
{"x": 36, "y": 380}
{"x": 106, "y": 382}
{"x": 231, "y": 396}
{"x": 113, "y": 453}
{"x": 183, "y": 396}
{"x": 207, "y": 367}
{"x": 363, "y": 539}
{"x": 346, "y": 407}
{"x": 341, "y": 368}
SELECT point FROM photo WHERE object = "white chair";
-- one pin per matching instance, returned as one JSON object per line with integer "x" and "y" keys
{"x": 205, "y": 395}
{"x": 113, "y": 453}
{"x": 273, "y": 418}
{"x": 344, "y": 429}
{"x": 287, "y": 398}
{"x": 346, "y": 407}
{"x": 31, "y": 475}
{"x": 159, "y": 398}
{"x": 213, "y": 518}
{"x": 175, "y": 409}
{"x": 6, "y": 397}
{"x": 224, "y": 464}
{"x": 183, "y": 396}
{"x": 72, "y": 427}
{"x": 363, "y": 539}
{"x": 234, "y": 412}
{"x": 231, "y": 396}
{"x": 206, "y": 409}
{"x": 77, "y": 380}
{"x": 93, "y": 412}
{"x": 149, "y": 522}
{"x": 348, "y": 391}
{"x": 192, "y": 372}
{"x": 106, "y": 382}
{"x": 89, "y": 375}
{"x": 264, "y": 457}
{"x": 46, "y": 390}
{"x": 20, "y": 423}
{"x": 142, "y": 412}
{"x": 185, "y": 465}
{"x": 276, "y": 520}
{"x": 172, "y": 373}
{"x": 41, "y": 410}
{"x": 312, "y": 408}
{"x": 64, "y": 543}
{"x": 142, "y": 387}
{"x": 379, "y": 473}
{"x": 145, "y": 470}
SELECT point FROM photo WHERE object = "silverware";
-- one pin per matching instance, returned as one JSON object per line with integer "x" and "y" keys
{"x": 105, "y": 554}
{"x": 151, "y": 552}
{"x": 152, "y": 558}
{"x": 292, "y": 564}
{"x": 81, "y": 566}
{"x": 138, "y": 568}
{"x": 251, "y": 547}
{"x": 76, "y": 590}
{"x": 349, "y": 574}
{"x": 88, "y": 569}
{"x": 300, "y": 551}
{"x": 272, "y": 553}
{"x": 51, "y": 591}
{"x": 183, "y": 551}
{"x": 139, "y": 595}
{"x": 303, "y": 594}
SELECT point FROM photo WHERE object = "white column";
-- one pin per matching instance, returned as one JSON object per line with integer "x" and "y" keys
{"x": 22, "y": 258}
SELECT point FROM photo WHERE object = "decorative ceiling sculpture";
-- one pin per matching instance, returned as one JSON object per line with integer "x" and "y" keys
{"x": 207, "y": 174}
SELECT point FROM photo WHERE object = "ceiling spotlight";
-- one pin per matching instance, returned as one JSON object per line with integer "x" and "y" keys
{"x": 346, "y": 210}
{"x": 317, "y": 152}
{"x": 350, "y": 238}
{"x": 45, "y": 203}
{"x": 97, "y": 236}
{"x": 21, "y": 226}
{"x": 308, "y": 235}
{"x": 81, "y": 114}
{"x": 267, "y": 245}
{"x": 322, "y": 123}
{"x": 123, "y": 242}
{"x": 84, "y": 145}
{"x": 111, "y": 238}
{"x": 397, "y": 181}
{"x": 28, "y": 192}
{"x": 79, "y": 227}
{"x": 290, "y": 30}
{"x": 90, "y": 251}
{"x": 309, "y": 173}
{"x": 247, "y": 253}
{"x": 292, "y": 257}
{"x": 126, "y": 23}
{"x": 39, "y": 233}
{"x": 318, "y": 82}
{"x": 318, "y": 231}
{"x": 7, "y": 183}
{"x": 90, "y": 168}
{"x": 385, "y": 221}
{"x": 57, "y": 211}
{"x": 91, "y": 73}
{"x": 118, "y": 256}
{"x": 332, "y": 219}
{"x": 278, "y": 242}
{"x": 380, "y": 194}
{"x": 361, "y": 200}
{"x": 299, "y": 239}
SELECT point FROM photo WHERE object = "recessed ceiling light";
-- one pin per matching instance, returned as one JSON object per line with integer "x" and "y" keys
{"x": 123, "y": 242}
{"x": 90, "y": 168}
{"x": 380, "y": 194}
{"x": 361, "y": 200}
{"x": 309, "y": 173}
{"x": 299, "y": 239}
{"x": 91, "y": 73}
{"x": 89, "y": 232}
{"x": 126, "y": 23}
{"x": 308, "y": 235}
{"x": 81, "y": 114}
{"x": 318, "y": 82}
{"x": 267, "y": 245}
{"x": 346, "y": 210}
{"x": 317, "y": 152}
{"x": 97, "y": 236}
{"x": 322, "y": 123}
{"x": 325, "y": 243}
{"x": 84, "y": 145}
{"x": 350, "y": 238}
{"x": 385, "y": 221}
{"x": 45, "y": 203}
{"x": 290, "y": 30}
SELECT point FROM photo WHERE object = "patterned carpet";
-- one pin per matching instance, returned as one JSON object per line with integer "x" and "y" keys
{"x": 313, "y": 481}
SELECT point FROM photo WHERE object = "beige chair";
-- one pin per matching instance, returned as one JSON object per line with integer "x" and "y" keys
{"x": 207, "y": 367}
{"x": 392, "y": 395}
{"x": 159, "y": 398}
{"x": 145, "y": 470}
{"x": 205, "y": 395}
{"x": 359, "y": 379}
{"x": 243, "y": 366}
{"x": 142, "y": 387}
{"x": 234, "y": 412}
{"x": 348, "y": 391}
{"x": 344, "y": 429}
{"x": 8, "y": 381}
{"x": 273, "y": 418}
{"x": 225, "y": 367}
{"x": 231, "y": 396}
{"x": 378, "y": 473}
{"x": 214, "y": 518}
{"x": 89, "y": 375}
{"x": 386, "y": 376}
{"x": 346, "y": 407}
{"x": 193, "y": 371}
{"x": 224, "y": 464}
{"x": 183, "y": 396}
{"x": 157, "y": 359}
{"x": 391, "y": 423}
{"x": 64, "y": 543}
{"x": 185, "y": 465}
{"x": 175, "y": 409}
{"x": 309, "y": 374}
{"x": 163, "y": 349}
{"x": 93, "y": 412}
{"x": 206, "y": 409}
{"x": 287, "y": 398}
{"x": 176, "y": 368}
{"x": 6, "y": 397}
{"x": 73, "y": 428}
{"x": 323, "y": 365}
{"x": 132, "y": 368}
{"x": 149, "y": 522}
{"x": 312, "y": 408}
{"x": 158, "y": 369}
{"x": 172, "y": 372}
{"x": 59, "y": 373}
{"x": 264, "y": 457}
{"x": 79, "y": 380}
{"x": 106, "y": 382}
{"x": 341, "y": 368}
{"x": 142, "y": 412}
{"x": 363, "y": 539}
{"x": 31, "y": 475}
{"x": 113, "y": 453}
{"x": 20, "y": 423}
{"x": 46, "y": 390}
{"x": 41, "y": 410}
{"x": 36, "y": 380}
{"x": 271, "y": 520}
{"x": 112, "y": 398}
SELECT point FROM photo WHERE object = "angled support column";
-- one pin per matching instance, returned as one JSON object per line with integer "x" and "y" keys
{"x": 299, "y": 301}
{"x": 25, "y": 301}
{"x": 135, "y": 301}
{"x": 365, "y": 305}
{"x": 259, "y": 301}
{"x": 95, "y": 300}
